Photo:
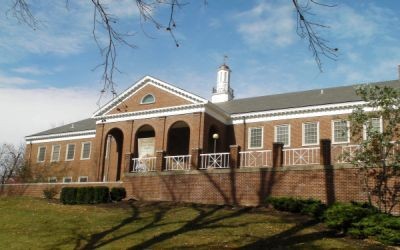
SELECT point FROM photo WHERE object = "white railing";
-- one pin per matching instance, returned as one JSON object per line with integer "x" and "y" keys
{"x": 343, "y": 153}
{"x": 262, "y": 158}
{"x": 215, "y": 160}
{"x": 177, "y": 162}
{"x": 301, "y": 156}
{"x": 145, "y": 164}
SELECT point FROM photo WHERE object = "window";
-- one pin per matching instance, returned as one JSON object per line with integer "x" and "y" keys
{"x": 55, "y": 153}
{"x": 282, "y": 134}
{"x": 85, "y": 153}
{"x": 70, "y": 152}
{"x": 52, "y": 179}
{"x": 83, "y": 179}
{"x": 340, "y": 131}
{"x": 255, "y": 138}
{"x": 376, "y": 126}
{"x": 41, "y": 154}
{"x": 149, "y": 98}
{"x": 67, "y": 179}
{"x": 310, "y": 133}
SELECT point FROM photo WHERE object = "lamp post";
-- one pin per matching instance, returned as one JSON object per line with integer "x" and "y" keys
{"x": 215, "y": 137}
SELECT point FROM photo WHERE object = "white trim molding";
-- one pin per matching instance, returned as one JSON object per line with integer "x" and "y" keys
{"x": 85, "y": 134}
{"x": 139, "y": 85}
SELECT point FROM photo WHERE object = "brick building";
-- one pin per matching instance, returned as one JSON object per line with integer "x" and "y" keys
{"x": 155, "y": 129}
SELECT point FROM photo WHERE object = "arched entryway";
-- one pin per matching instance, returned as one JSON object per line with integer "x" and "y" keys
{"x": 178, "y": 139}
{"x": 145, "y": 142}
{"x": 111, "y": 170}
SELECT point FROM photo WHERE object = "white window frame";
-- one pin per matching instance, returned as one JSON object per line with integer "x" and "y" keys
{"x": 87, "y": 178}
{"x": 66, "y": 152}
{"x": 333, "y": 131}
{"x": 249, "y": 137}
{"x": 154, "y": 99}
{"x": 304, "y": 134}
{"x": 52, "y": 152}
{"x": 380, "y": 127}
{"x": 289, "y": 134}
{"x": 54, "y": 178}
{"x": 67, "y": 177}
{"x": 90, "y": 149}
{"x": 38, "y": 153}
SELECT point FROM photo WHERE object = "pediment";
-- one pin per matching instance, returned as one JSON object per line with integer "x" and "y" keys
{"x": 149, "y": 94}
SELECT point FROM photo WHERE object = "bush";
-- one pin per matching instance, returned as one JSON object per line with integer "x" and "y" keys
{"x": 341, "y": 216}
{"x": 101, "y": 195}
{"x": 68, "y": 195}
{"x": 117, "y": 193}
{"x": 50, "y": 192}
{"x": 383, "y": 227}
{"x": 84, "y": 195}
{"x": 310, "y": 207}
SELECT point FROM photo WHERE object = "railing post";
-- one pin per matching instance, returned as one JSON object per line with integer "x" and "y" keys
{"x": 128, "y": 162}
{"x": 325, "y": 152}
{"x": 195, "y": 164}
{"x": 160, "y": 160}
{"x": 234, "y": 156}
{"x": 277, "y": 154}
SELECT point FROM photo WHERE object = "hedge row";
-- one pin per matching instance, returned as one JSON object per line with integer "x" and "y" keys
{"x": 359, "y": 220}
{"x": 91, "y": 195}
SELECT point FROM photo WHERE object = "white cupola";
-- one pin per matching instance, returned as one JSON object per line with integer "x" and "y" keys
{"x": 223, "y": 92}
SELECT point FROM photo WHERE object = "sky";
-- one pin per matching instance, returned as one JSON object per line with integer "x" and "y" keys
{"x": 48, "y": 76}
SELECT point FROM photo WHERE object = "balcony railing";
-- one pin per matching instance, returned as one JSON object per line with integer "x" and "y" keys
{"x": 145, "y": 164}
{"x": 301, "y": 156}
{"x": 215, "y": 160}
{"x": 177, "y": 162}
{"x": 262, "y": 158}
{"x": 230, "y": 91}
{"x": 343, "y": 153}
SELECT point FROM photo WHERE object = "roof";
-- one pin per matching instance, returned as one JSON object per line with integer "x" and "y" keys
{"x": 297, "y": 99}
{"x": 82, "y": 125}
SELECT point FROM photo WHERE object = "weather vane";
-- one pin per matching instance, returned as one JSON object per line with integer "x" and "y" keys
{"x": 225, "y": 59}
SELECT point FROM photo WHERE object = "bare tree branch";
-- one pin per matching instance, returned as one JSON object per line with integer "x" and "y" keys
{"x": 21, "y": 11}
{"x": 306, "y": 30}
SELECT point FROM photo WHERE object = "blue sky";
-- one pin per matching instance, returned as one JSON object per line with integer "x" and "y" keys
{"x": 47, "y": 77}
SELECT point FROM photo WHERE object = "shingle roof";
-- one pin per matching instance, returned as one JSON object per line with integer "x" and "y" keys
{"x": 297, "y": 99}
{"x": 82, "y": 125}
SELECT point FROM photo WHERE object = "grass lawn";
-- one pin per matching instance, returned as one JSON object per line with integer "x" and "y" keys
{"x": 29, "y": 223}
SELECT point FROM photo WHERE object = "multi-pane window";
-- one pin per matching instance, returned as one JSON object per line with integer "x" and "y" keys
{"x": 340, "y": 131}
{"x": 55, "y": 153}
{"x": 52, "y": 179}
{"x": 41, "y": 154}
{"x": 376, "y": 126}
{"x": 85, "y": 154}
{"x": 70, "y": 152}
{"x": 310, "y": 133}
{"x": 282, "y": 134}
{"x": 148, "y": 99}
{"x": 67, "y": 179}
{"x": 83, "y": 179}
{"x": 255, "y": 137}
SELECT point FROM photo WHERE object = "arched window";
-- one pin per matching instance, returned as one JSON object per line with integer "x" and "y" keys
{"x": 149, "y": 98}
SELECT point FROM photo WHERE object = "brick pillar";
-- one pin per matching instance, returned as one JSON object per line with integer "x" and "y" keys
{"x": 234, "y": 157}
{"x": 128, "y": 162}
{"x": 277, "y": 154}
{"x": 325, "y": 152}
{"x": 195, "y": 164}
{"x": 160, "y": 160}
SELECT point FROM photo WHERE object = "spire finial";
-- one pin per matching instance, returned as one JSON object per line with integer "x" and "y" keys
{"x": 225, "y": 59}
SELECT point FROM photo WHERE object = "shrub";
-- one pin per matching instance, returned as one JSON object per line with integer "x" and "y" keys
{"x": 101, "y": 194}
{"x": 68, "y": 195}
{"x": 85, "y": 195}
{"x": 310, "y": 207}
{"x": 117, "y": 193}
{"x": 383, "y": 227}
{"x": 341, "y": 216}
{"x": 50, "y": 192}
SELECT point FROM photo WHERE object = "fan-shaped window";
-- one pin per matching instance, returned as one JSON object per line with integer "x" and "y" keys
{"x": 148, "y": 99}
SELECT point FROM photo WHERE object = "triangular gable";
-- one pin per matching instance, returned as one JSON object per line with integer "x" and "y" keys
{"x": 146, "y": 82}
